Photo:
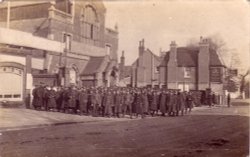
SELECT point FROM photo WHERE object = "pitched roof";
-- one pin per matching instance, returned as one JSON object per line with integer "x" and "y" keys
{"x": 93, "y": 65}
{"x": 215, "y": 59}
{"x": 148, "y": 51}
{"x": 189, "y": 57}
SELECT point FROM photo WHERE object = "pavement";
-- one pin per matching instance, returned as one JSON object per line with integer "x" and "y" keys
{"x": 20, "y": 118}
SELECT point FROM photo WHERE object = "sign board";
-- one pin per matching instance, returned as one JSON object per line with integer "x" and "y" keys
{"x": 216, "y": 75}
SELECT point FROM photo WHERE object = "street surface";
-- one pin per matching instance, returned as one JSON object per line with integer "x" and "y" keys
{"x": 211, "y": 132}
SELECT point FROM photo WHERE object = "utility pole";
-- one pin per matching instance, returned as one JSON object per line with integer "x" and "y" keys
{"x": 8, "y": 15}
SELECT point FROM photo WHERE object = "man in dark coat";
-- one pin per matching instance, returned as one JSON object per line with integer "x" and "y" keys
{"x": 154, "y": 103}
{"x": 163, "y": 103}
{"x": 51, "y": 96}
{"x": 137, "y": 104}
{"x": 83, "y": 100}
{"x": 172, "y": 104}
{"x": 228, "y": 100}
{"x": 71, "y": 97}
{"x": 38, "y": 97}
{"x": 107, "y": 102}
{"x": 180, "y": 105}
{"x": 128, "y": 100}
{"x": 117, "y": 103}
{"x": 189, "y": 102}
{"x": 59, "y": 98}
{"x": 145, "y": 104}
{"x": 96, "y": 101}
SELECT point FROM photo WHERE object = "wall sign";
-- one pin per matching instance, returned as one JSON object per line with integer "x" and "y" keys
{"x": 216, "y": 75}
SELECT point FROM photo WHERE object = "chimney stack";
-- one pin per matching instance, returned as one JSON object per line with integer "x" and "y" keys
{"x": 141, "y": 47}
{"x": 203, "y": 64}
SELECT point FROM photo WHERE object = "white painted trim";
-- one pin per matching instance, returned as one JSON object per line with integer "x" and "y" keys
{"x": 19, "y": 38}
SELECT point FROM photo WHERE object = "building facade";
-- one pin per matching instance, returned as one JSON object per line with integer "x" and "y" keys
{"x": 60, "y": 42}
{"x": 145, "y": 71}
{"x": 184, "y": 68}
{"x": 192, "y": 68}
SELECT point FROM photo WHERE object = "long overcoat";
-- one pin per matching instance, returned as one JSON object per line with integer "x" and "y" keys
{"x": 154, "y": 102}
{"x": 118, "y": 102}
{"x": 172, "y": 103}
{"x": 145, "y": 104}
{"x": 71, "y": 97}
{"x": 163, "y": 103}
{"x": 180, "y": 102}
{"x": 83, "y": 101}
{"x": 107, "y": 103}
{"x": 51, "y": 95}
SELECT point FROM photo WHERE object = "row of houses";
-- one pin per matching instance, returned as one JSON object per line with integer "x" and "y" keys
{"x": 184, "y": 68}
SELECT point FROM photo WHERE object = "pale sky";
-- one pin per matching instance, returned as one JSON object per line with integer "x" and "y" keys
{"x": 161, "y": 21}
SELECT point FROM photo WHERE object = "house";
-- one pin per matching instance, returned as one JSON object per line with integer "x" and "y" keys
{"x": 145, "y": 71}
{"x": 192, "y": 68}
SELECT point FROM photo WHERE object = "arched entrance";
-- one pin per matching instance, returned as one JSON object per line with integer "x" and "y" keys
{"x": 73, "y": 75}
{"x": 11, "y": 78}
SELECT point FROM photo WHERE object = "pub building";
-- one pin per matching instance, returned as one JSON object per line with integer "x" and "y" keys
{"x": 183, "y": 68}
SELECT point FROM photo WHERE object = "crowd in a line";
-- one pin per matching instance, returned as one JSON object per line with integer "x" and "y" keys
{"x": 113, "y": 101}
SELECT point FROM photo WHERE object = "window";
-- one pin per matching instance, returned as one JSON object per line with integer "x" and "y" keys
{"x": 67, "y": 40}
{"x": 157, "y": 69}
{"x": 90, "y": 27}
{"x": 65, "y": 6}
{"x": 187, "y": 72}
{"x": 108, "y": 49}
{"x": 17, "y": 96}
{"x": 8, "y": 96}
{"x": 69, "y": 7}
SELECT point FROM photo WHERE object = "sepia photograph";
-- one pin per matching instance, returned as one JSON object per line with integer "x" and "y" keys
{"x": 124, "y": 78}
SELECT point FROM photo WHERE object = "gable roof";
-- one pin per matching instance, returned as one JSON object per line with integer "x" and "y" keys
{"x": 93, "y": 65}
{"x": 189, "y": 57}
{"x": 135, "y": 63}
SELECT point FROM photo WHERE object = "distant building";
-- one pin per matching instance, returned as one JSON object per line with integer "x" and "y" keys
{"x": 192, "y": 68}
{"x": 145, "y": 71}
{"x": 184, "y": 68}
{"x": 60, "y": 42}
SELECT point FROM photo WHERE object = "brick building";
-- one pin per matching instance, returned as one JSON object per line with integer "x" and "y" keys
{"x": 192, "y": 68}
{"x": 60, "y": 42}
{"x": 184, "y": 68}
{"x": 145, "y": 71}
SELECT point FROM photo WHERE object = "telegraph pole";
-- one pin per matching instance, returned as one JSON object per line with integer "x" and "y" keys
{"x": 8, "y": 15}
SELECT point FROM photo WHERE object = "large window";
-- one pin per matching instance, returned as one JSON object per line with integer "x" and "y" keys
{"x": 90, "y": 29}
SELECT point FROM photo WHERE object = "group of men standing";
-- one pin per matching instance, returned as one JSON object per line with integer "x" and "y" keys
{"x": 112, "y": 102}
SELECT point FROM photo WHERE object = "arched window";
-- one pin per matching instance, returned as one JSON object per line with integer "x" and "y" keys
{"x": 90, "y": 28}
{"x": 90, "y": 15}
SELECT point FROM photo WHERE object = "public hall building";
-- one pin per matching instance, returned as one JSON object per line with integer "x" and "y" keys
{"x": 58, "y": 42}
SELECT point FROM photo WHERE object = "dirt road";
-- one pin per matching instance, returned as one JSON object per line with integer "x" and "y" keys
{"x": 215, "y": 132}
